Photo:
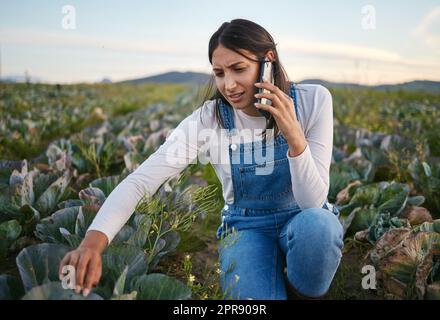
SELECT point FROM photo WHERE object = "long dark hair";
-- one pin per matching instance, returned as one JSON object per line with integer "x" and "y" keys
{"x": 245, "y": 35}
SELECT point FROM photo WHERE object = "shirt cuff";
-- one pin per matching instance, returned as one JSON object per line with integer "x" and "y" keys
{"x": 299, "y": 157}
{"x": 110, "y": 235}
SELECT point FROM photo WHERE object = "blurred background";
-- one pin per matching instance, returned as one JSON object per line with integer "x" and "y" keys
{"x": 374, "y": 42}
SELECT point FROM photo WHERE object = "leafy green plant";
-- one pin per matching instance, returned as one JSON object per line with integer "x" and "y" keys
{"x": 124, "y": 277}
{"x": 371, "y": 200}
{"x": 426, "y": 179}
{"x": 28, "y": 197}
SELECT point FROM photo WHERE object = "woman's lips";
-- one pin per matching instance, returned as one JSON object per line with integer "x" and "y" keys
{"x": 236, "y": 98}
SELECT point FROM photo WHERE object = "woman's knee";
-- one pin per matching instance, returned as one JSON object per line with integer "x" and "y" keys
{"x": 315, "y": 224}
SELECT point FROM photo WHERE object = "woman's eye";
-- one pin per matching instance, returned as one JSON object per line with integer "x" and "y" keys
{"x": 237, "y": 70}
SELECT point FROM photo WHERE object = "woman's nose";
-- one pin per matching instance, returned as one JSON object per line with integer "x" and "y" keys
{"x": 230, "y": 84}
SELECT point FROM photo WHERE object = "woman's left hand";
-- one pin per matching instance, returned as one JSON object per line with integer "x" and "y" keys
{"x": 283, "y": 111}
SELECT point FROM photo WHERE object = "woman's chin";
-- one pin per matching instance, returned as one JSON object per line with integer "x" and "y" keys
{"x": 239, "y": 105}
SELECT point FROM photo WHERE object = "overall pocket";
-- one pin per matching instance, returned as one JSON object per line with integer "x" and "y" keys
{"x": 276, "y": 184}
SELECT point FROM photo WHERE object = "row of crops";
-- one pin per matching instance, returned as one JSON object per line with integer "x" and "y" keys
{"x": 48, "y": 202}
{"x": 386, "y": 183}
{"x": 34, "y": 115}
{"x": 385, "y": 179}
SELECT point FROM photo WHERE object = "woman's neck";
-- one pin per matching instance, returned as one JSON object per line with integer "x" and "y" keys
{"x": 252, "y": 112}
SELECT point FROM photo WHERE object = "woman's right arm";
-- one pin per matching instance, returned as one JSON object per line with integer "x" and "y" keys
{"x": 174, "y": 155}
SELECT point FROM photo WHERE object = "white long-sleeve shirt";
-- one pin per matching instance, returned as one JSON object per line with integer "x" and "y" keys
{"x": 199, "y": 138}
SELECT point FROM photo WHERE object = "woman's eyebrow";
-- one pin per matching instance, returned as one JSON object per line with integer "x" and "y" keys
{"x": 231, "y": 65}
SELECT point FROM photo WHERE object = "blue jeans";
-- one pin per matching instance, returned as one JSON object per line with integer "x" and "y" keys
{"x": 307, "y": 243}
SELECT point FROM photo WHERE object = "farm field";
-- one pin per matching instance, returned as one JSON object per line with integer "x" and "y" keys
{"x": 64, "y": 148}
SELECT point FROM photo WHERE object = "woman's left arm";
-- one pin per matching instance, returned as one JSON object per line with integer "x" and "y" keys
{"x": 309, "y": 156}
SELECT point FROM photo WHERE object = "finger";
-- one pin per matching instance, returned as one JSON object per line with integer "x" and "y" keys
{"x": 92, "y": 276}
{"x": 74, "y": 257}
{"x": 71, "y": 259}
{"x": 265, "y": 95}
{"x": 284, "y": 97}
{"x": 267, "y": 107}
{"x": 93, "y": 273}
{"x": 63, "y": 262}
{"x": 99, "y": 274}
{"x": 276, "y": 92}
{"x": 274, "y": 98}
{"x": 81, "y": 270}
{"x": 269, "y": 86}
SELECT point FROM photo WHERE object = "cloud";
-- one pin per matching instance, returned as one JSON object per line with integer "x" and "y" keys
{"x": 426, "y": 29}
{"x": 333, "y": 60}
{"x": 344, "y": 51}
{"x": 196, "y": 47}
{"x": 72, "y": 39}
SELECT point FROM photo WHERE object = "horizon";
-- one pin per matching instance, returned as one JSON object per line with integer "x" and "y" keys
{"x": 370, "y": 43}
{"x": 13, "y": 79}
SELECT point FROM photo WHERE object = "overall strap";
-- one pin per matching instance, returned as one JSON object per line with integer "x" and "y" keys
{"x": 227, "y": 115}
{"x": 295, "y": 100}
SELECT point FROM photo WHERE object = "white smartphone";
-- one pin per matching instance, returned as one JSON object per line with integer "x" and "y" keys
{"x": 266, "y": 73}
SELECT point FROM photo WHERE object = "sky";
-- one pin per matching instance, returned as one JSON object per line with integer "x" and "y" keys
{"x": 365, "y": 42}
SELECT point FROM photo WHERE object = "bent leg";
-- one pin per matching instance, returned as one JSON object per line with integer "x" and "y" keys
{"x": 312, "y": 241}
{"x": 252, "y": 266}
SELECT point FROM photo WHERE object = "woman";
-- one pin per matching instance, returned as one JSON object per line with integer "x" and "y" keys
{"x": 278, "y": 233}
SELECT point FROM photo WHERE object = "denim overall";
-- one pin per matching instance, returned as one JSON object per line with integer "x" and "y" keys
{"x": 267, "y": 241}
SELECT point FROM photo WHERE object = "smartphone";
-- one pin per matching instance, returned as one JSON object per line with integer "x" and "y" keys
{"x": 266, "y": 73}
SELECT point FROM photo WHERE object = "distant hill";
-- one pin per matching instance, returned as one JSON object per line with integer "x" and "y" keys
{"x": 417, "y": 85}
{"x": 329, "y": 84}
{"x": 420, "y": 85}
{"x": 173, "y": 77}
{"x": 13, "y": 78}
{"x": 203, "y": 78}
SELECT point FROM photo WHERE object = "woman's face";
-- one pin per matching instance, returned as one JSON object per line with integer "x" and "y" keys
{"x": 235, "y": 74}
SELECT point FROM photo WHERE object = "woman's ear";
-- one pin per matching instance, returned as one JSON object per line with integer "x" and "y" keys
{"x": 270, "y": 55}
